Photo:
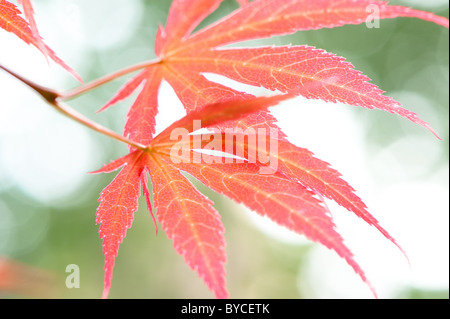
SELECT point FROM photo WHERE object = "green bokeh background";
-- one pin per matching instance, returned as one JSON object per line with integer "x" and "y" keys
{"x": 403, "y": 55}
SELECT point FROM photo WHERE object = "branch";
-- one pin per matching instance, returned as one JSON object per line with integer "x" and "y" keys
{"x": 53, "y": 98}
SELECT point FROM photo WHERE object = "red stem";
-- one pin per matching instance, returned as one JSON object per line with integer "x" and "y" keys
{"x": 107, "y": 78}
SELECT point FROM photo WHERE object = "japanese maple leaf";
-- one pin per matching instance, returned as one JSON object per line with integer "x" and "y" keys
{"x": 292, "y": 194}
{"x": 12, "y": 21}
{"x": 188, "y": 217}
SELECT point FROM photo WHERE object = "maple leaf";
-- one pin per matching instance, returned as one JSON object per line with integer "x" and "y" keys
{"x": 11, "y": 21}
{"x": 185, "y": 56}
{"x": 294, "y": 191}
{"x": 187, "y": 217}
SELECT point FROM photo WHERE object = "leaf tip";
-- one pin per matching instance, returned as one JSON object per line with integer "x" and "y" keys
{"x": 222, "y": 295}
{"x": 108, "y": 268}
{"x": 105, "y": 293}
{"x": 77, "y": 76}
{"x": 104, "y": 107}
{"x": 434, "y": 132}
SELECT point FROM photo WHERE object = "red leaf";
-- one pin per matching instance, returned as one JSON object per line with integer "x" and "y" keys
{"x": 11, "y": 21}
{"x": 314, "y": 73}
{"x": 266, "y": 18}
{"x": 29, "y": 14}
{"x": 187, "y": 217}
{"x": 322, "y": 75}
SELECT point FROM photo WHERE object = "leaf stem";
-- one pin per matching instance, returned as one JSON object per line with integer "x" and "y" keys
{"x": 54, "y": 99}
{"x": 105, "y": 79}
{"x": 80, "y": 118}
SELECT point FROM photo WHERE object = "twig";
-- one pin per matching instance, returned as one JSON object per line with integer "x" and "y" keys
{"x": 107, "y": 78}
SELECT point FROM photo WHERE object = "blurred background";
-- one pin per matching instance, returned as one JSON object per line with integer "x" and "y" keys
{"x": 400, "y": 170}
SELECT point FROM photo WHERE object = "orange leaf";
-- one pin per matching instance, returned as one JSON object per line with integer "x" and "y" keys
{"x": 11, "y": 21}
